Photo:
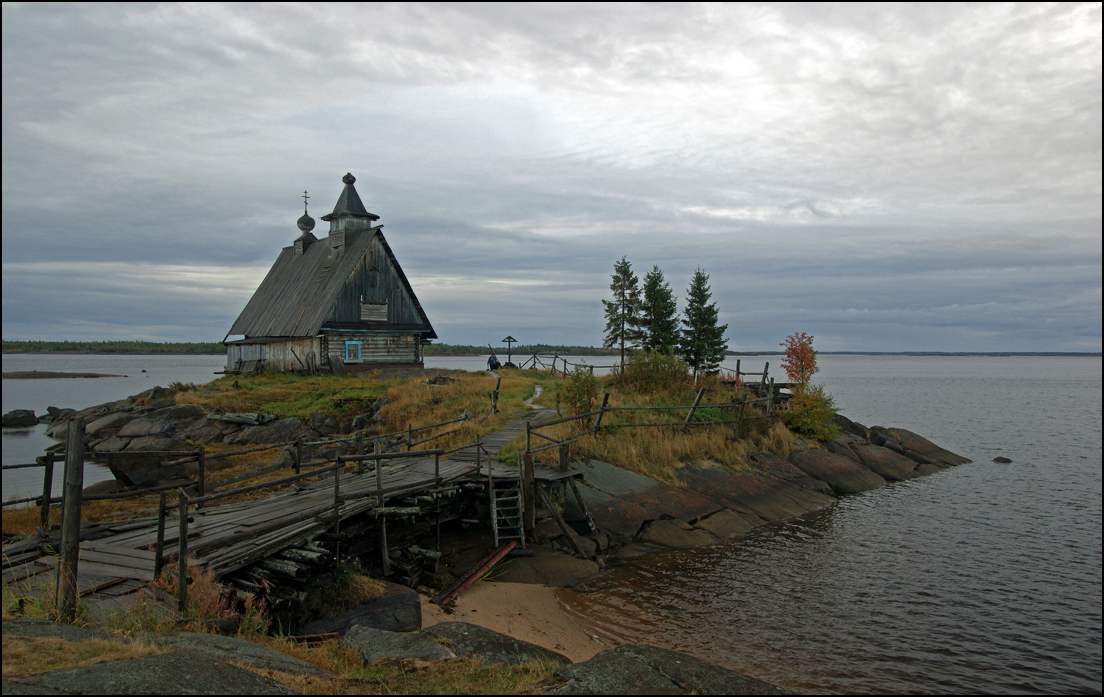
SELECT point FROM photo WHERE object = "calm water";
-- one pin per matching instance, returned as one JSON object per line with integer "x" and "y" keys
{"x": 982, "y": 578}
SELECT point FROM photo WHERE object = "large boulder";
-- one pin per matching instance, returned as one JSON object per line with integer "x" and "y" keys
{"x": 19, "y": 418}
{"x": 472, "y": 641}
{"x": 637, "y": 670}
{"x": 282, "y": 431}
{"x": 377, "y": 645}
{"x": 843, "y": 475}
{"x": 398, "y": 610}
{"x": 102, "y": 426}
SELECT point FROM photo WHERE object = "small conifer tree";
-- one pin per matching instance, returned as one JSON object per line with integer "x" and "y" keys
{"x": 623, "y": 312}
{"x": 659, "y": 313}
{"x": 702, "y": 344}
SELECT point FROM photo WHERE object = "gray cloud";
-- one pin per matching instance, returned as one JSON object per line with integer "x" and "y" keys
{"x": 917, "y": 177}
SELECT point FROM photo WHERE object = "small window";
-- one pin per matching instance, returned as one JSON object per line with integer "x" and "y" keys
{"x": 352, "y": 351}
{"x": 373, "y": 277}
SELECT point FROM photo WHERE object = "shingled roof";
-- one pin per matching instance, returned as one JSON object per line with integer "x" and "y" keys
{"x": 298, "y": 294}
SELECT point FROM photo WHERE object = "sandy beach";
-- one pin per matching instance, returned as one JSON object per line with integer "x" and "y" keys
{"x": 521, "y": 610}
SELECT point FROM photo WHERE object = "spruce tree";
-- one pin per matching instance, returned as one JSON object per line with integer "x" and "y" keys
{"x": 659, "y": 314}
{"x": 623, "y": 312}
{"x": 703, "y": 344}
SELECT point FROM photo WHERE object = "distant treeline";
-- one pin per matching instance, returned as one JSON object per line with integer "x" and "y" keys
{"x": 140, "y": 347}
{"x": 518, "y": 350}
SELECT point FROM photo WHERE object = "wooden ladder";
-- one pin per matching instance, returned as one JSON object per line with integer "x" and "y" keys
{"x": 507, "y": 510}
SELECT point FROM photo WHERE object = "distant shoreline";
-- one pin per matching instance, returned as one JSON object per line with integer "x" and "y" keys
{"x": 602, "y": 352}
{"x": 53, "y": 375}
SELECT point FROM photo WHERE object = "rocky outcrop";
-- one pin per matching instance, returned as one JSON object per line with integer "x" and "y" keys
{"x": 845, "y": 476}
{"x": 152, "y": 675}
{"x": 19, "y": 418}
{"x": 377, "y": 645}
{"x": 472, "y": 641}
{"x": 399, "y": 610}
{"x": 640, "y": 670}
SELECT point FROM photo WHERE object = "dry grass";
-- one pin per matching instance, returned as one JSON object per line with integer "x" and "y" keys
{"x": 406, "y": 676}
{"x": 658, "y": 451}
{"x": 24, "y": 656}
{"x": 287, "y": 394}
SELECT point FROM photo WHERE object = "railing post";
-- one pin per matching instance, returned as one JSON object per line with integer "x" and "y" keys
{"x": 529, "y": 498}
{"x": 70, "y": 521}
{"x": 565, "y": 456}
{"x": 409, "y": 436}
{"x": 528, "y": 436}
{"x": 182, "y": 555}
{"x": 601, "y": 413}
{"x": 437, "y": 467}
{"x": 159, "y": 546}
{"x": 47, "y": 493}
{"x": 340, "y": 462}
{"x": 763, "y": 382}
{"x": 202, "y": 457}
{"x": 770, "y": 398}
{"x": 737, "y": 372}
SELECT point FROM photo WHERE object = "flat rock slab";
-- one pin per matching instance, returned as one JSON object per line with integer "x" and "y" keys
{"x": 622, "y": 501}
{"x": 635, "y": 669}
{"x": 399, "y": 610}
{"x": 843, "y": 475}
{"x": 775, "y": 490}
{"x": 675, "y": 534}
{"x": 918, "y": 444}
{"x": 45, "y": 629}
{"x": 236, "y": 650}
{"x": 185, "y": 672}
{"x": 729, "y": 523}
{"x": 891, "y": 465}
{"x": 472, "y": 641}
{"x": 377, "y": 645}
{"x": 548, "y": 568}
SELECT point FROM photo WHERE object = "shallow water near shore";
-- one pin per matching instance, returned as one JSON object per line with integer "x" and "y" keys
{"x": 981, "y": 578}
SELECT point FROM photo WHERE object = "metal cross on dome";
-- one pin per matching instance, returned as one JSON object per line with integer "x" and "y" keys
{"x": 305, "y": 197}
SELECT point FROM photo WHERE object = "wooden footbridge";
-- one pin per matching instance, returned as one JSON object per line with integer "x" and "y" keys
{"x": 117, "y": 559}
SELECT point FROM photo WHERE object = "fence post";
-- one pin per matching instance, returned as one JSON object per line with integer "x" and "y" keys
{"x": 565, "y": 456}
{"x": 159, "y": 546}
{"x": 182, "y": 555}
{"x": 529, "y": 494}
{"x": 763, "y": 382}
{"x": 770, "y": 398}
{"x": 47, "y": 493}
{"x": 693, "y": 408}
{"x": 738, "y": 381}
{"x": 528, "y": 435}
{"x": 437, "y": 467}
{"x": 202, "y": 456}
{"x": 601, "y": 413}
{"x": 409, "y": 436}
{"x": 337, "y": 493}
{"x": 70, "y": 521}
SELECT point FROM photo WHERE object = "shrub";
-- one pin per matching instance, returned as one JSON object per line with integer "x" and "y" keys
{"x": 800, "y": 361}
{"x": 812, "y": 413}
{"x": 652, "y": 372}
{"x": 579, "y": 392}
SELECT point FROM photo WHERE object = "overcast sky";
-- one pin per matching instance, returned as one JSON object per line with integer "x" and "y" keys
{"x": 919, "y": 177}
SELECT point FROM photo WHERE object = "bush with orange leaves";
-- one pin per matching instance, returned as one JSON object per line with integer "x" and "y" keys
{"x": 800, "y": 362}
